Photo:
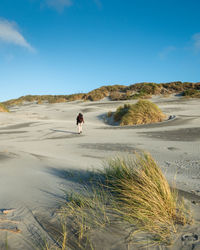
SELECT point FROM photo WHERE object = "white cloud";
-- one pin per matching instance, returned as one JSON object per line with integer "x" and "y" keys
{"x": 10, "y": 34}
{"x": 59, "y": 5}
{"x": 196, "y": 40}
{"x": 166, "y": 51}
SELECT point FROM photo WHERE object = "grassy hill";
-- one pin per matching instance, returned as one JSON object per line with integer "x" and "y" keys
{"x": 118, "y": 92}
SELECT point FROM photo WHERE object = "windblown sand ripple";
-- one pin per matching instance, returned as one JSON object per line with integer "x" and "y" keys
{"x": 184, "y": 134}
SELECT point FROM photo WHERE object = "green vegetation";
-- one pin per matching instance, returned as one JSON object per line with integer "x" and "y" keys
{"x": 191, "y": 93}
{"x": 143, "y": 112}
{"x": 43, "y": 98}
{"x": 129, "y": 193}
{"x": 114, "y": 92}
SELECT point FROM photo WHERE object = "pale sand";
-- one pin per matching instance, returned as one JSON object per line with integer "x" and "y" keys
{"x": 39, "y": 143}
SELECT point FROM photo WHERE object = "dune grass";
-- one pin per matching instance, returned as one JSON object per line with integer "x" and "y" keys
{"x": 143, "y": 112}
{"x": 3, "y": 108}
{"x": 191, "y": 93}
{"x": 144, "y": 197}
{"x": 142, "y": 90}
{"x": 131, "y": 191}
{"x": 109, "y": 114}
{"x": 82, "y": 214}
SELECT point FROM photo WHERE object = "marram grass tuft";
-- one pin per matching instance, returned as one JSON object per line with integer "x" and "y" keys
{"x": 143, "y": 112}
{"x": 144, "y": 197}
{"x": 131, "y": 191}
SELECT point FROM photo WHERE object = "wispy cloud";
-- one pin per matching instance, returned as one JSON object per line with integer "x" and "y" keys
{"x": 196, "y": 41}
{"x": 58, "y": 5}
{"x": 9, "y": 34}
{"x": 166, "y": 51}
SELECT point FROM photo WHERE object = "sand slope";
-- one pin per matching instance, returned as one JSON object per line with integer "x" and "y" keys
{"x": 39, "y": 142}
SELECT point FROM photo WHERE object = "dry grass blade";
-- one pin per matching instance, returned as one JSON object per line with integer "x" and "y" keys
{"x": 81, "y": 214}
{"x": 144, "y": 197}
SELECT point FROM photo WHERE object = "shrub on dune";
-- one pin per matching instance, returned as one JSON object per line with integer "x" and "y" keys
{"x": 143, "y": 112}
{"x": 191, "y": 93}
{"x": 3, "y": 108}
{"x": 117, "y": 95}
{"x": 56, "y": 100}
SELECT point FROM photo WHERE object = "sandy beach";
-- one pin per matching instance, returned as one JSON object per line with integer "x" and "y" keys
{"x": 40, "y": 143}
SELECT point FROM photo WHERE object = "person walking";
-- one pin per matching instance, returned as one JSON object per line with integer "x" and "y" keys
{"x": 79, "y": 123}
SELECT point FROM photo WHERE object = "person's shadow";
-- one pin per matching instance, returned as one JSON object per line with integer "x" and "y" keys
{"x": 64, "y": 131}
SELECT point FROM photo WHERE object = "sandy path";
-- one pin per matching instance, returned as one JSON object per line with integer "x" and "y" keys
{"x": 39, "y": 142}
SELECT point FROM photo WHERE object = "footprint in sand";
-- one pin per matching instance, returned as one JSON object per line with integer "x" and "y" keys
{"x": 190, "y": 238}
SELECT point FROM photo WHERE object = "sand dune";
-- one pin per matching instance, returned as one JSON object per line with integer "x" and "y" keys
{"x": 39, "y": 143}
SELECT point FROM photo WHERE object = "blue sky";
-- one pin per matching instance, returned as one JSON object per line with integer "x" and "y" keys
{"x": 70, "y": 46}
